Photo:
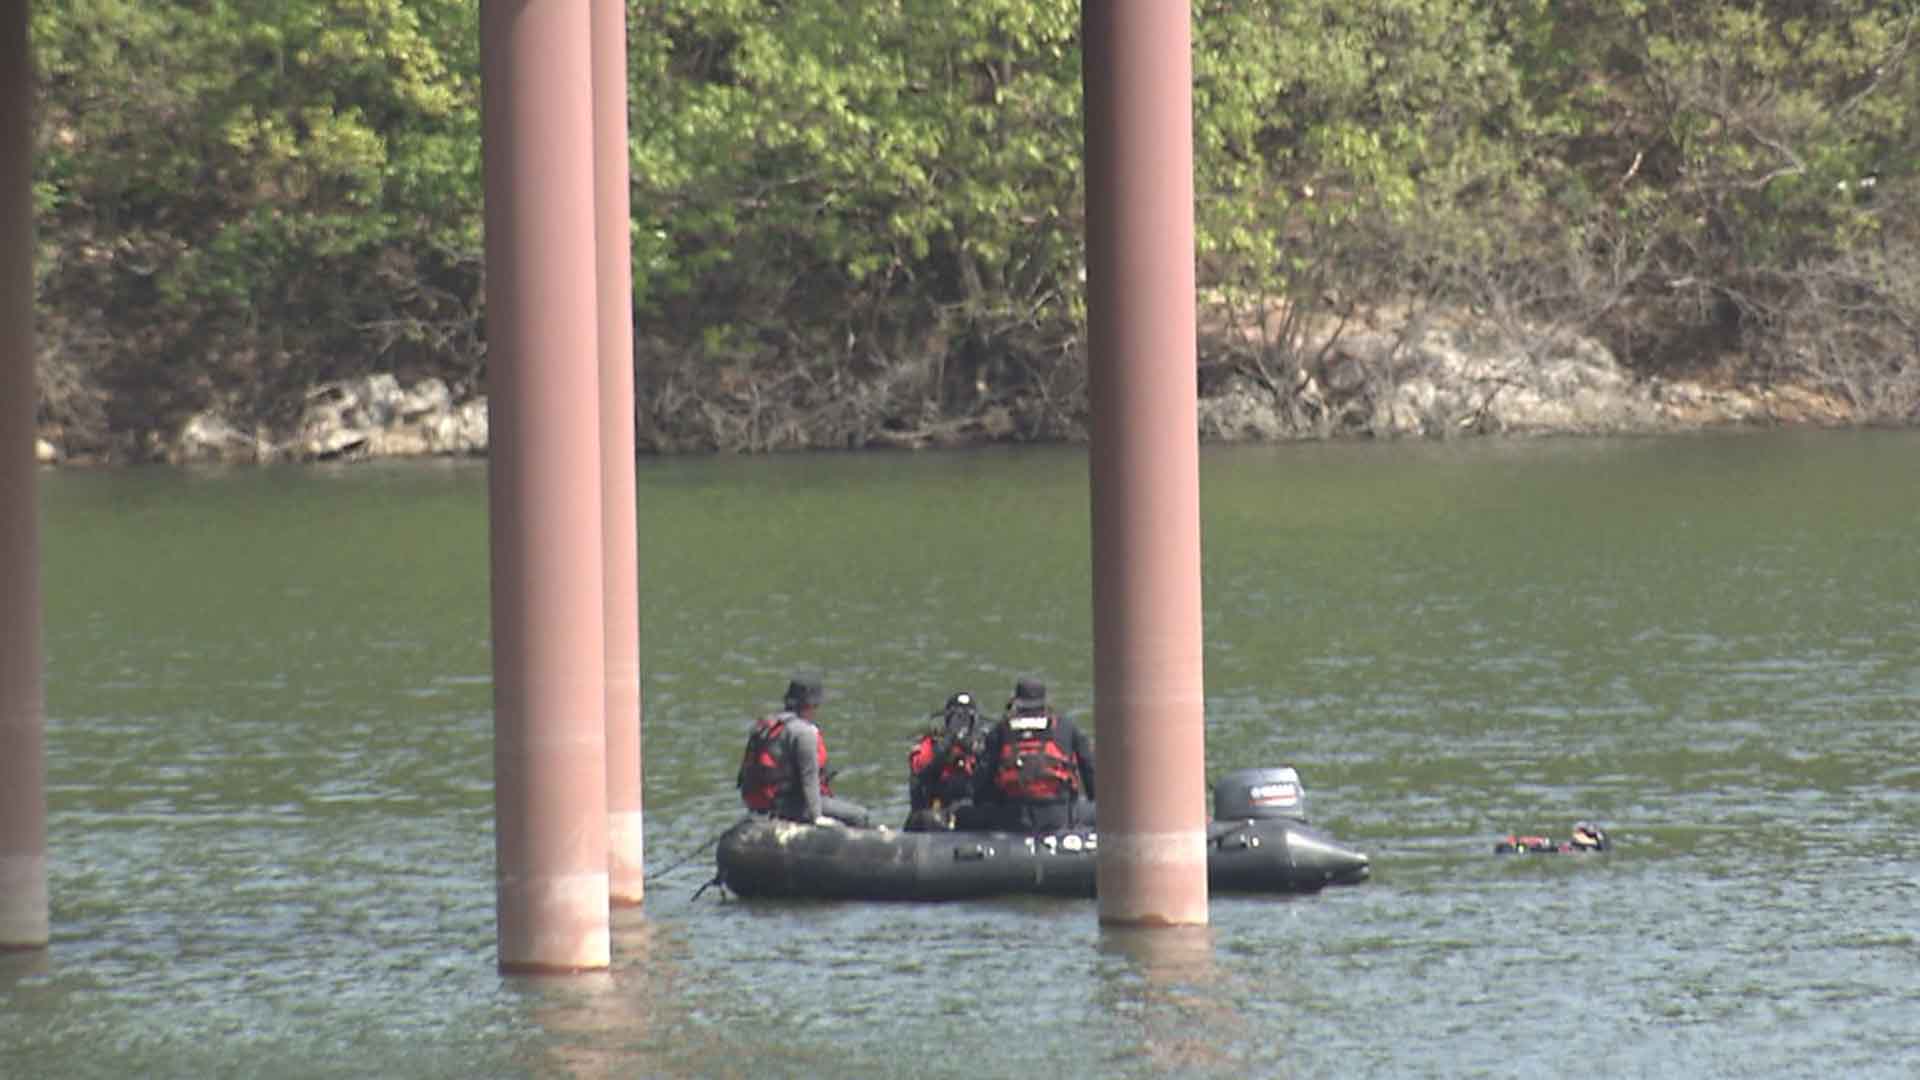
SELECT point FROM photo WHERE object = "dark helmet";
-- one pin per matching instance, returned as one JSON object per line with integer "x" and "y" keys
{"x": 804, "y": 690}
{"x": 1029, "y": 696}
{"x": 961, "y": 713}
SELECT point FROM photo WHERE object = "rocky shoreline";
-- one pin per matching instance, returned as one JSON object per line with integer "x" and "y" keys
{"x": 1463, "y": 380}
{"x": 1451, "y": 381}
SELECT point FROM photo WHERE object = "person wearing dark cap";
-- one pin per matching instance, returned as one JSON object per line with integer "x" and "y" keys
{"x": 1037, "y": 773}
{"x": 942, "y": 764}
{"x": 783, "y": 772}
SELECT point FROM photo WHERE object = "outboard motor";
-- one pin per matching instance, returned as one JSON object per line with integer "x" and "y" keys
{"x": 1260, "y": 828}
{"x": 1260, "y": 794}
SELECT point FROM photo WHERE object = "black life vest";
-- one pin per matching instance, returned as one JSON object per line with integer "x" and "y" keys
{"x": 766, "y": 774}
{"x": 1033, "y": 766}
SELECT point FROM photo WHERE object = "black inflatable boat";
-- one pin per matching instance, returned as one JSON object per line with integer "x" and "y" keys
{"x": 1258, "y": 842}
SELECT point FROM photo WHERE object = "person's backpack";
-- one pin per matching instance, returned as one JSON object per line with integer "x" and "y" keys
{"x": 764, "y": 768}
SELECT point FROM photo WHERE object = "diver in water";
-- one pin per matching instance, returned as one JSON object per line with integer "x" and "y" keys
{"x": 1586, "y": 837}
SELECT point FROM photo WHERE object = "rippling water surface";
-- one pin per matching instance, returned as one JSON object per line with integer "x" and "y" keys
{"x": 271, "y": 809}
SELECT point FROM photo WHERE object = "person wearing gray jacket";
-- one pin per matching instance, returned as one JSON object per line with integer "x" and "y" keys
{"x": 783, "y": 771}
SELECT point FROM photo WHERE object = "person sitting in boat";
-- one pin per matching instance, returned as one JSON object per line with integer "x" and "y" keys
{"x": 1038, "y": 769}
{"x": 783, "y": 772}
{"x": 942, "y": 764}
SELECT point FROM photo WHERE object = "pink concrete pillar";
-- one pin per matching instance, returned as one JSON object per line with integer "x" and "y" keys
{"x": 23, "y": 758}
{"x": 1145, "y": 463}
{"x": 549, "y": 661}
{"x": 614, "y": 262}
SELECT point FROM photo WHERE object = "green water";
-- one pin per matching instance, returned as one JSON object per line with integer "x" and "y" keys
{"x": 269, "y": 757}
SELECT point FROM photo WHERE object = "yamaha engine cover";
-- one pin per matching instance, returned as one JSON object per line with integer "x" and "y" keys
{"x": 1258, "y": 794}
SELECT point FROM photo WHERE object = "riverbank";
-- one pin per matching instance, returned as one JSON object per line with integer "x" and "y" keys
{"x": 1450, "y": 379}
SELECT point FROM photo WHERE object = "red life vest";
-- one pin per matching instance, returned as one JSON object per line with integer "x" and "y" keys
{"x": 820, "y": 744}
{"x": 921, "y": 755}
{"x": 765, "y": 771}
{"x": 954, "y": 780}
{"x": 1033, "y": 766}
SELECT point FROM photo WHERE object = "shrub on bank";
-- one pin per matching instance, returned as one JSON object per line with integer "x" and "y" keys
{"x": 879, "y": 245}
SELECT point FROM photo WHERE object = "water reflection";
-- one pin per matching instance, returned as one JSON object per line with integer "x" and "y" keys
{"x": 603, "y": 1025}
{"x": 1179, "y": 955}
{"x": 1165, "y": 985}
{"x": 580, "y": 1019}
{"x": 20, "y": 965}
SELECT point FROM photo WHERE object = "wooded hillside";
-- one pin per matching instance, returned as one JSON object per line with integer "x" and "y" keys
{"x": 860, "y": 218}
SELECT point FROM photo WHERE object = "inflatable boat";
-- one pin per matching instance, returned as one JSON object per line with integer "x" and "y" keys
{"x": 1258, "y": 842}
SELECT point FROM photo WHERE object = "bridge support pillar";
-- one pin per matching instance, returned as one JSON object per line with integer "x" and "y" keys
{"x": 23, "y": 759}
{"x": 544, "y": 487}
{"x": 614, "y": 261}
{"x": 1149, "y": 704}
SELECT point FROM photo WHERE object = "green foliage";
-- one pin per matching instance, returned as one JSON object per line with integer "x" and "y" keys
{"x": 855, "y": 183}
{"x": 250, "y": 196}
{"x": 240, "y": 198}
{"x": 1336, "y": 141}
{"x": 1736, "y": 144}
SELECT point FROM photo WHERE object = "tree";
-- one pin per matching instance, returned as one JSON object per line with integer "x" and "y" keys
{"x": 252, "y": 197}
